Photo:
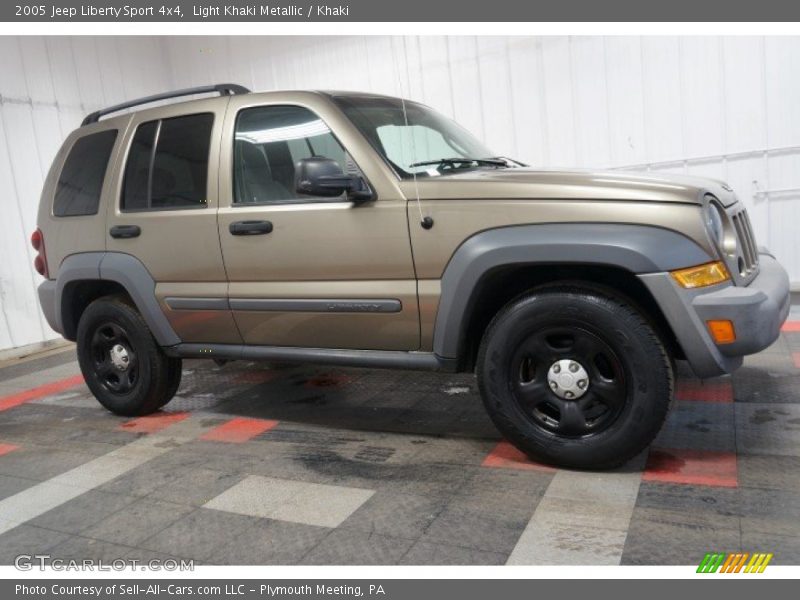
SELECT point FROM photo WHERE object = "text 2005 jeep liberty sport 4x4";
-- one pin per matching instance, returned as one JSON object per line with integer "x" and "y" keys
{"x": 362, "y": 230}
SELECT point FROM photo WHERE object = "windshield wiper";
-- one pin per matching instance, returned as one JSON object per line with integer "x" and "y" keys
{"x": 489, "y": 162}
{"x": 510, "y": 161}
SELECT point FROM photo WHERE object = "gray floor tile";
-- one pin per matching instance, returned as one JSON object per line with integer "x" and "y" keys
{"x": 136, "y": 522}
{"x": 80, "y": 548}
{"x": 83, "y": 512}
{"x": 396, "y": 515}
{"x": 491, "y": 530}
{"x": 199, "y": 534}
{"x": 768, "y": 429}
{"x": 352, "y": 547}
{"x": 268, "y": 542}
{"x": 769, "y": 472}
{"x": 10, "y": 485}
{"x": 786, "y": 549}
{"x": 428, "y": 554}
{"x": 27, "y": 539}
{"x": 651, "y": 542}
{"x": 770, "y": 511}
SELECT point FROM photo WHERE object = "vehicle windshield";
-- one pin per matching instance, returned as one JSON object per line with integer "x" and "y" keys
{"x": 418, "y": 141}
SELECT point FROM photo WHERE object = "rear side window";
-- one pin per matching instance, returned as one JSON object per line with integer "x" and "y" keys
{"x": 81, "y": 179}
{"x": 167, "y": 164}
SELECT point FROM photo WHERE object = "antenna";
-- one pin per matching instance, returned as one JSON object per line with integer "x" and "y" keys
{"x": 424, "y": 220}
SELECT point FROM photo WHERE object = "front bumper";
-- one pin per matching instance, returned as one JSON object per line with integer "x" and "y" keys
{"x": 757, "y": 312}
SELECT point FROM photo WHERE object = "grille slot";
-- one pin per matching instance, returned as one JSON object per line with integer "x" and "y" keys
{"x": 744, "y": 232}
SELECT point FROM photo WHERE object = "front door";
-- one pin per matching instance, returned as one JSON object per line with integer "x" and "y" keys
{"x": 309, "y": 271}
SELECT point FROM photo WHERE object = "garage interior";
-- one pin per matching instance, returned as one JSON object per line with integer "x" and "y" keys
{"x": 283, "y": 464}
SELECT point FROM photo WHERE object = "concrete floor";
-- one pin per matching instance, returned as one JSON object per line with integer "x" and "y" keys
{"x": 278, "y": 464}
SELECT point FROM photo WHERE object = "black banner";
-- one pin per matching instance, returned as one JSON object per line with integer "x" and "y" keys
{"x": 405, "y": 10}
{"x": 389, "y": 589}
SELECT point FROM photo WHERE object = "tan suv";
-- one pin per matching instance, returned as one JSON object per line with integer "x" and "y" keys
{"x": 364, "y": 230}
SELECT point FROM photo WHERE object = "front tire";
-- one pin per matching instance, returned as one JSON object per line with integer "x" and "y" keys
{"x": 122, "y": 364}
{"x": 574, "y": 376}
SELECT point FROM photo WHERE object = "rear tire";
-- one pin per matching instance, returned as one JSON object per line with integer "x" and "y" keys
{"x": 574, "y": 376}
{"x": 120, "y": 360}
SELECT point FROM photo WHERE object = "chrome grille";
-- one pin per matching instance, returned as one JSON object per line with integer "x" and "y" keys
{"x": 749, "y": 250}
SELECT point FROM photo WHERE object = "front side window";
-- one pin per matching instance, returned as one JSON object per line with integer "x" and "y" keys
{"x": 269, "y": 141}
{"x": 167, "y": 164}
{"x": 407, "y": 134}
{"x": 81, "y": 180}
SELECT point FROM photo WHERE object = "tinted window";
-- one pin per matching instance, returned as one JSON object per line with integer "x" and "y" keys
{"x": 168, "y": 164}
{"x": 81, "y": 179}
{"x": 268, "y": 143}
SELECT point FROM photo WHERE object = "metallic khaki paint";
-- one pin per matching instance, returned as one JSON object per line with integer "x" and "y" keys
{"x": 338, "y": 249}
{"x": 64, "y": 236}
{"x": 199, "y": 325}
{"x": 321, "y": 250}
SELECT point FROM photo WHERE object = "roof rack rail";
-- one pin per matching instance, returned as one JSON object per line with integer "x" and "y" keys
{"x": 224, "y": 89}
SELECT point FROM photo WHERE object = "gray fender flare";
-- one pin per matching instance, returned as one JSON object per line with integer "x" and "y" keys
{"x": 635, "y": 248}
{"x": 126, "y": 270}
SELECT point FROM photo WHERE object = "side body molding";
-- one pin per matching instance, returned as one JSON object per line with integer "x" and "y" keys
{"x": 635, "y": 248}
{"x": 121, "y": 268}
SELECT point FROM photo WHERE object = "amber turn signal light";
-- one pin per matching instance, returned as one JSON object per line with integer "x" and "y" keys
{"x": 722, "y": 331}
{"x": 701, "y": 275}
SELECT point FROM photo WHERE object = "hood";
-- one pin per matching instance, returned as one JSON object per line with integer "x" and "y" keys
{"x": 528, "y": 183}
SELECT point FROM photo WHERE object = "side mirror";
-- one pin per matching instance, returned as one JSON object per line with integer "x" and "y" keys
{"x": 320, "y": 176}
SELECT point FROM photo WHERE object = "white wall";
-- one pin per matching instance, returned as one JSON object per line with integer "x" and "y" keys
{"x": 725, "y": 107}
{"x": 47, "y": 86}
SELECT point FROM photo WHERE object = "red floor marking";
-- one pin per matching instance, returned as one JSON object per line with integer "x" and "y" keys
{"x": 692, "y": 467}
{"x": 6, "y": 448}
{"x": 152, "y": 423}
{"x": 48, "y": 389}
{"x": 793, "y": 326}
{"x": 260, "y": 376}
{"x": 506, "y": 456}
{"x": 713, "y": 391}
{"x": 238, "y": 430}
{"x": 328, "y": 380}
{"x": 796, "y": 357}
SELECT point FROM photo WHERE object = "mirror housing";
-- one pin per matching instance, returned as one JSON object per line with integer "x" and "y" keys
{"x": 320, "y": 176}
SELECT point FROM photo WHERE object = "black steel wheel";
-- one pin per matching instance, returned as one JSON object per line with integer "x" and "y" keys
{"x": 114, "y": 358}
{"x": 569, "y": 381}
{"x": 122, "y": 364}
{"x": 575, "y": 376}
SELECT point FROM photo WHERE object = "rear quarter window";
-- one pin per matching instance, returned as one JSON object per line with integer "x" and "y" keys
{"x": 81, "y": 180}
{"x": 167, "y": 165}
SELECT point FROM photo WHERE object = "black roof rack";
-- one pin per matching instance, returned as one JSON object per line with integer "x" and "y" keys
{"x": 224, "y": 89}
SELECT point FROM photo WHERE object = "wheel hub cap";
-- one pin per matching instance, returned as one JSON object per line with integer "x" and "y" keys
{"x": 568, "y": 379}
{"x": 119, "y": 357}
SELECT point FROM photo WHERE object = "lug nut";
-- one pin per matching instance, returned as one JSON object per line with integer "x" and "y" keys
{"x": 582, "y": 383}
{"x": 553, "y": 385}
{"x": 568, "y": 394}
{"x": 556, "y": 368}
{"x": 573, "y": 367}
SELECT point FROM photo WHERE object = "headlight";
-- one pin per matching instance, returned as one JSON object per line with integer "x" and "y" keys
{"x": 715, "y": 223}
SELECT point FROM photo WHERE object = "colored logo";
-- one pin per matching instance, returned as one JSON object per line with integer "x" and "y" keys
{"x": 736, "y": 562}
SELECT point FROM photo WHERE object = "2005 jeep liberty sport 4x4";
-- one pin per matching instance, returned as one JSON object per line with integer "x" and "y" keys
{"x": 364, "y": 230}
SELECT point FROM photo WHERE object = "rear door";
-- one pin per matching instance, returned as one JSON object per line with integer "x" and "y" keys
{"x": 325, "y": 273}
{"x": 165, "y": 215}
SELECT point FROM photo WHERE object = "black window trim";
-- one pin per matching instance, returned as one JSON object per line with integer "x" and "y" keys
{"x": 151, "y": 164}
{"x": 111, "y": 156}
{"x": 292, "y": 201}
